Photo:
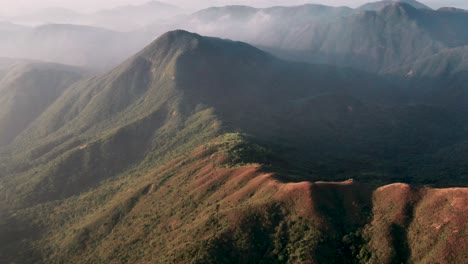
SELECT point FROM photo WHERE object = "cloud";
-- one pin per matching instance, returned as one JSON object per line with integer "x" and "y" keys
{"x": 264, "y": 3}
{"x": 9, "y": 7}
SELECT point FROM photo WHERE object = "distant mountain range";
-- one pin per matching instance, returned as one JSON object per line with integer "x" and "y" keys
{"x": 121, "y": 18}
{"x": 91, "y": 47}
{"x": 128, "y": 18}
{"x": 368, "y": 40}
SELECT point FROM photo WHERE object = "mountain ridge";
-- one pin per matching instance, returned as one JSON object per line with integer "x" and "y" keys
{"x": 236, "y": 212}
{"x": 23, "y": 85}
{"x": 220, "y": 144}
{"x": 375, "y": 6}
{"x": 337, "y": 36}
{"x": 178, "y": 77}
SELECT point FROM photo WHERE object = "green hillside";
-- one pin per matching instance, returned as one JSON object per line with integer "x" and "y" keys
{"x": 439, "y": 79}
{"x": 377, "y": 40}
{"x": 195, "y": 209}
{"x": 153, "y": 105}
{"x": 26, "y": 90}
{"x": 205, "y": 150}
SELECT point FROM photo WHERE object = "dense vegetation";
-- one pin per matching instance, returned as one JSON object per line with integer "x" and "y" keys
{"x": 374, "y": 37}
{"x": 202, "y": 150}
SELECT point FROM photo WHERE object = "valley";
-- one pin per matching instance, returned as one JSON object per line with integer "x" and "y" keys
{"x": 321, "y": 135}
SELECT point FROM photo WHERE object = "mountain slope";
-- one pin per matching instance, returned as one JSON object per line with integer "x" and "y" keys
{"x": 398, "y": 34}
{"x": 121, "y": 18}
{"x": 85, "y": 46}
{"x": 195, "y": 209}
{"x": 440, "y": 78}
{"x": 375, "y": 6}
{"x": 142, "y": 107}
{"x": 26, "y": 90}
{"x": 6, "y": 64}
{"x": 254, "y": 25}
{"x": 92, "y": 125}
{"x": 447, "y": 63}
{"x": 199, "y": 149}
{"x": 374, "y": 41}
{"x": 154, "y": 95}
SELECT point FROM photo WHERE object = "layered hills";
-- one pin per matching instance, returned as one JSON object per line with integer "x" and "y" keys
{"x": 378, "y": 39}
{"x": 95, "y": 48}
{"x": 373, "y": 40}
{"x": 120, "y": 18}
{"x": 26, "y": 90}
{"x": 205, "y": 150}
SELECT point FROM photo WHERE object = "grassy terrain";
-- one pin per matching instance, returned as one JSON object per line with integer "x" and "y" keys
{"x": 195, "y": 209}
{"x": 26, "y": 90}
{"x": 211, "y": 151}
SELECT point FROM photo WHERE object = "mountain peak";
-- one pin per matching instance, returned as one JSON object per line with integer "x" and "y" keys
{"x": 452, "y": 9}
{"x": 177, "y": 40}
{"x": 377, "y": 6}
{"x": 399, "y": 9}
{"x": 179, "y": 33}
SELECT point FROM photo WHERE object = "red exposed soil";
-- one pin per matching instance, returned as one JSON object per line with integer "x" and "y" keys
{"x": 185, "y": 206}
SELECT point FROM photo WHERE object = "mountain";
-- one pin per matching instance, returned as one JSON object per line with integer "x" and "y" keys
{"x": 153, "y": 8}
{"x": 426, "y": 33}
{"x": 452, "y": 9}
{"x": 195, "y": 209}
{"x": 248, "y": 23}
{"x": 121, "y": 18}
{"x": 367, "y": 40}
{"x": 444, "y": 64}
{"x": 84, "y": 46}
{"x": 26, "y": 90}
{"x": 6, "y": 63}
{"x": 375, "y": 6}
{"x": 209, "y": 150}
{"x": 131, "y": 17}
{"x": 310, "y": 33}
{"x": 6, "y": 26}
{"x": 440, "y": 78}
{"x": 53, "y": 15}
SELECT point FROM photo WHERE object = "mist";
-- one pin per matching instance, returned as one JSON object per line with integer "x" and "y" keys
{"x": 24, "y": 7}
{"x": 233, "y": 131}
{"x": 100, "y": 35}
{"x": 267, "y": 3}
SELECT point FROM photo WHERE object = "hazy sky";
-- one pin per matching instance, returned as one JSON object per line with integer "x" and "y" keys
{"x": 8, "y": 7}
